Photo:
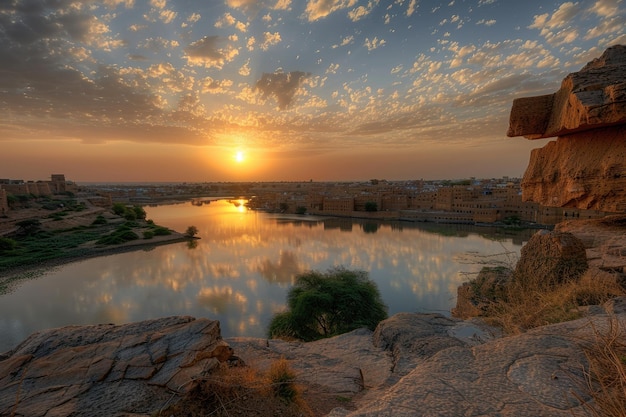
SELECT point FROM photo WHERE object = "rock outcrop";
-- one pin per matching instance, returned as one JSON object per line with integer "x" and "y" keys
{"x": 413, "y": 364}
{"x": 585, "y": 168}
{"x": 430, "y": 365}
{"x": 108, "y": 370}
{"x": 538, "y": 373}
{"x": 550, "y": 258}
{"x": 604, "y": 240}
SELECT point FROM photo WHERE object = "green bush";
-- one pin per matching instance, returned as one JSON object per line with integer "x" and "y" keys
{"x": 161, "y": 231}
{"x": 148, "y": 234}
{"x": 327, "y": 304}
{"x": 99, "y": 220}
{"x": 7, "y": 244}
{"x": 121, "y": 235}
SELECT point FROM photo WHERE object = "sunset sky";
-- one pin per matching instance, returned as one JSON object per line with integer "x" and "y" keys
{"x": 239, "y": 90}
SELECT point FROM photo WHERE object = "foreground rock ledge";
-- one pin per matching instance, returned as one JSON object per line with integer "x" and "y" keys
{"x": 413, "y": 364}
{"x": 107, "y": 370}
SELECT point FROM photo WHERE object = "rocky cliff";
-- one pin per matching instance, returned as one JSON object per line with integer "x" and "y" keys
{"x": 586, "y": 166}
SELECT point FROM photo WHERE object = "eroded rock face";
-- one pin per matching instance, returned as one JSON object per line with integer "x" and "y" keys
{"x": 107, "y": 370}
{"x": 586, "y": 171}
{"x": 592, "y": 98}
{"x": 585, "y": 167}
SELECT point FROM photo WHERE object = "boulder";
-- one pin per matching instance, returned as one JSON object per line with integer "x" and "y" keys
{"x": 550, "y": 258}
{"x": 107, "y": 369}
{"x": 474, "y": 297}
{"x": 584, "y": 168}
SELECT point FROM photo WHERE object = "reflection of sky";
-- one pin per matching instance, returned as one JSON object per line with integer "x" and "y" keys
{"x": 241, "y": 269}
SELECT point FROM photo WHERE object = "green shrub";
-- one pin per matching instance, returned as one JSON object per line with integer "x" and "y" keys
{"x": 161, "y": 231}
{"x": 99, "y": 220}
{"x": 148, "y": 234}
{"x": 327, "y": 304}
{"x": 119, "y": 209}
{"x": 7, "y": 244}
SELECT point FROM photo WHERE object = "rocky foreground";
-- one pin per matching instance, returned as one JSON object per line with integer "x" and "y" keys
{"x": 413, "y": 364}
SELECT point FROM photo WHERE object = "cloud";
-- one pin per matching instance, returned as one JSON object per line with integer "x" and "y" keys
{"x": 345, "y": 41}
{"x": 281, "y": 86}
{"x": 209, "y": 85}
{"x": 374, "y": 43}
{"x": 270, "y": 39}
{"x": 252, "y": 7}
{"x": 361, "y": 11}
{"x": 167, "y": 16}
{"x": 412, "y": 8}
{"x": 606, "y": 8}
{"x": 210, "y": 51}
{"x": 318, "y": 9}
{"x": 556, "y": 28}
{"x": 228, "y": 20}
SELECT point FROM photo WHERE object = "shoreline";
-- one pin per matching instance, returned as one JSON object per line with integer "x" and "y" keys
{"x": 12, "y": 274}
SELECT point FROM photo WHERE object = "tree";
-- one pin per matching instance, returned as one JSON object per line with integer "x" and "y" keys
{"x": 29, "y": 226}
{"x": 140, "y": 213}
{"x": 191, "y": 231}
{"x": 371, "y": 206}
{"x": 119, "y": 209}
{"x": 300, "y": 210}
{"x": 327, "y": 304}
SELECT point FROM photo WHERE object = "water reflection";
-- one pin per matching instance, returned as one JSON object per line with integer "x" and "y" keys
{"x": 241, "y": 268}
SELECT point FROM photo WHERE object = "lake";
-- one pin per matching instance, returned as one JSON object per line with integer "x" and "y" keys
{"x": 245, "y": 261}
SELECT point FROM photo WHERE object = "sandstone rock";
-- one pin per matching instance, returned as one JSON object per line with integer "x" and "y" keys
{"x": 604, "y": 240}
{"x": 474, "y": 297}
{"x": 413, "y": 338}
{"x": 550, "y": 258}
{"x": 586, "y": 171}
{"x": 591, "y": 98}
{"x": 107, "y": 370}
{"x": 345, "y": 364}
{"x": 585, "y": 167}
{"x": 538, "y": 373}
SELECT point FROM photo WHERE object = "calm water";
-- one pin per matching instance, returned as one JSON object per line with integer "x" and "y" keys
{"x": 242, "y": 267}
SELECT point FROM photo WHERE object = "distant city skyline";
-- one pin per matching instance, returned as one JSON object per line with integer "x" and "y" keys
{"x": 282, "y": 90}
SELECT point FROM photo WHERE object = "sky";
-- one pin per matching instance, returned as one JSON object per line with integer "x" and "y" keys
{"x": 282, "y": 90}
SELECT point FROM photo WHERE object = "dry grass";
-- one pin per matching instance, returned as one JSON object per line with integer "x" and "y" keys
{"x": 606, "y": 376}
{"x": 243, "y": 391}
{"x": 525, "y": 307}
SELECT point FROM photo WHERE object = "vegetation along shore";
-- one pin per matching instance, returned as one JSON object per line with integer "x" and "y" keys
{"x": 49, "y": 231}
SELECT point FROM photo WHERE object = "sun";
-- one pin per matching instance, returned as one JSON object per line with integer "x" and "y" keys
{"x": 239, "y": 157}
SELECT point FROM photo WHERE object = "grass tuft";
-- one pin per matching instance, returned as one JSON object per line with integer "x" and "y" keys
{"x": 524, "y": 307}
{"x": 606, "y": 376}
{"x": 231, "y": 391}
